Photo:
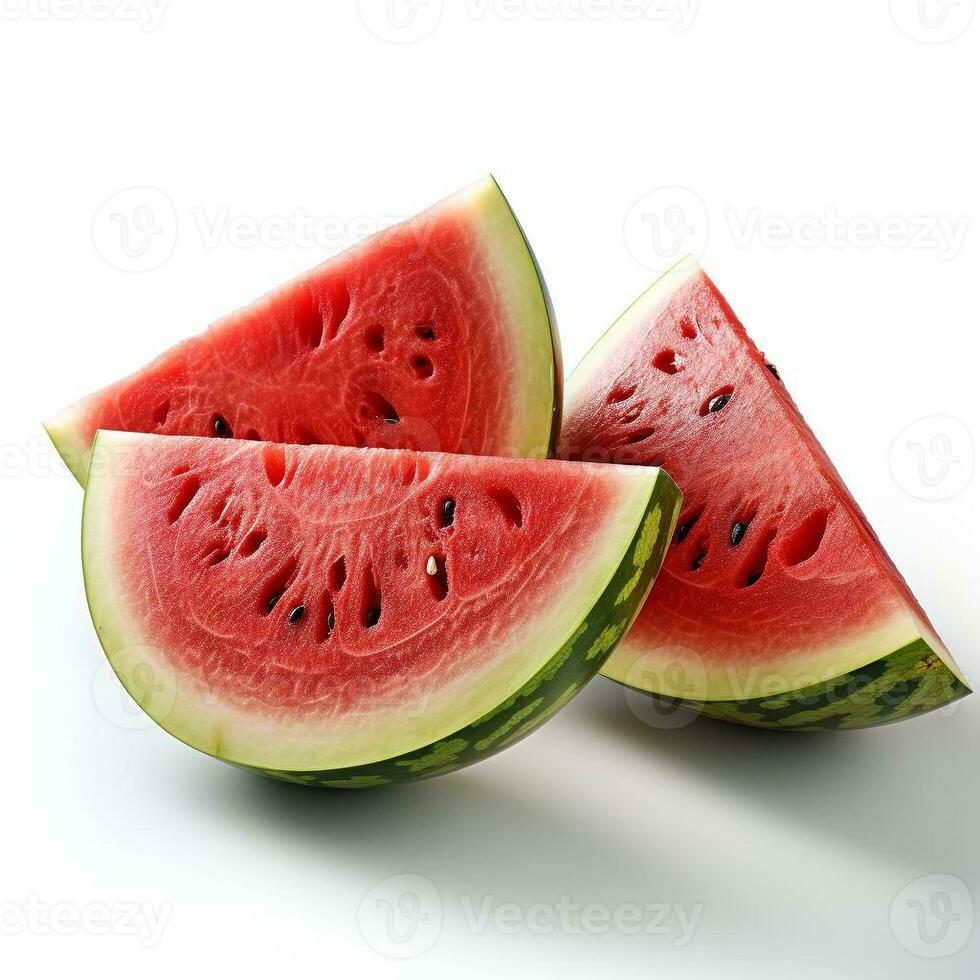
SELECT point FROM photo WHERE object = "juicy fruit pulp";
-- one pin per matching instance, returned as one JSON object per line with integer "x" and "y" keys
{"x": 777, "y": 605}
{"x": 353, "y": 616}
{"x": 435, "y": 335}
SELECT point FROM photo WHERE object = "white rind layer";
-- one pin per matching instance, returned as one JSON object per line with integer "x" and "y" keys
{"x": 684, "y": 673}
{"x": 537, "y": 359}
{"x": 64, "y": 430}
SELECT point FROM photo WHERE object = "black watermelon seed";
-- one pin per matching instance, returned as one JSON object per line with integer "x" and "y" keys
{"x": 773, "y": 371}
{"x": 297, "y": 614}
{"x": 738, "y": 532}
{"x": 331, "y": 621}
{"x": 699, "y": 561}
{"x": 717, "y": 404}
{"x": 221, "y": 427}
{"x": 753, "y": 578}
{"x": 684, "y": 530}
{"x": 448, "y": 513}
{"x": 273, "y": 601}
{"x": 372, "y": 617}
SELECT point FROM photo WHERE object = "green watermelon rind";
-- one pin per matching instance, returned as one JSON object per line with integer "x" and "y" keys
{"x": 910, "y": 681}
{"x": 514, "y": 270}
{"x": 631, "y": 558}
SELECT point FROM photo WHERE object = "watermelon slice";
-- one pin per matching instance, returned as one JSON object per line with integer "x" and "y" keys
{"x": 436, "y": 334}
{"x": 777, "y": 606}
{"x": 351, "y": 617}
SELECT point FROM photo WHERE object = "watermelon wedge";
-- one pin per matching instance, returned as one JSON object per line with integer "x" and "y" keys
{"x": 353, "y": 617}
{"x": 777, "y": 606}
{"x": 433, "y": 335}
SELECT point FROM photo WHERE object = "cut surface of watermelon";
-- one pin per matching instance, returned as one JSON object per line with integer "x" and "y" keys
{"x": 356, "y": 616}
{"x": 435, "y": 335}
{"x": 777, "y": 605}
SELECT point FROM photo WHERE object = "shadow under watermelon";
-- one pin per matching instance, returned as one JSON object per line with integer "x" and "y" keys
{"x": 908, "y": 792}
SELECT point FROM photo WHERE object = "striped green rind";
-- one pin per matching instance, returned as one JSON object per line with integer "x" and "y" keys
{"x": 561, "y": 678}
{"x": 910, "y": 681}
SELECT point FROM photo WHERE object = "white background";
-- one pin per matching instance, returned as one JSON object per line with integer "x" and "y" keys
{"x": 762, "y": 114}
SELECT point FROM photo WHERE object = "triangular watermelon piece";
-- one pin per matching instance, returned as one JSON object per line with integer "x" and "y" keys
{"x": 777, "y": 606}
{"x": 353, "y": 617}
{"x": 436, "y": 334}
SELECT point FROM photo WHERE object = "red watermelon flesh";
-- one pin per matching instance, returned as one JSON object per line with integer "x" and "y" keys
{"x": 435, "y": 335}
{"x": 775, "y": 579}
{"x": 322, "y": 607}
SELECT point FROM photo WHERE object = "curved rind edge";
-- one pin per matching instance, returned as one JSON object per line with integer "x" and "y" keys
{"x": 558, "y": 375}
{"x": 552, "y": 687}
{"x": 905, "y": 683}
{"x": 536, "y": 332}
{"x": 639, "y": 551}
